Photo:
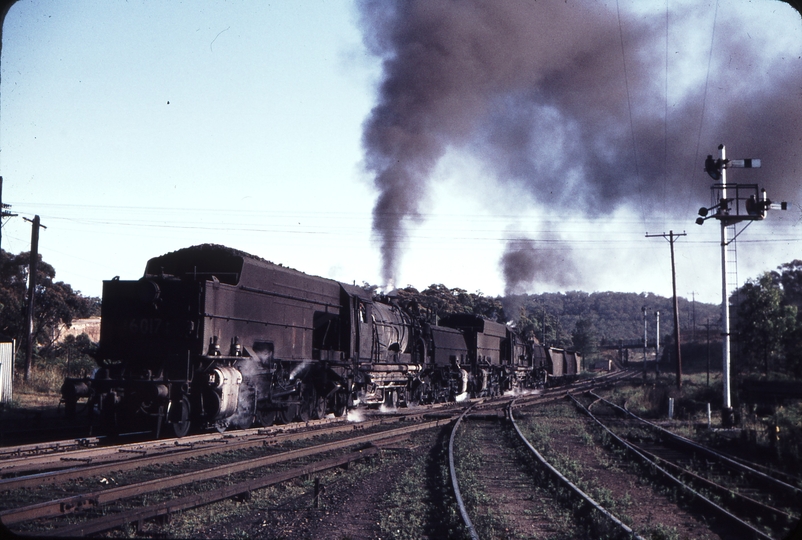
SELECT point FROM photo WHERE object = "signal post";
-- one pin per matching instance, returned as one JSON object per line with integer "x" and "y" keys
{"x": 737, "y": 203}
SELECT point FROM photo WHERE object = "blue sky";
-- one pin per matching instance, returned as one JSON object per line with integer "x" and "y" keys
{"x": 137, "y": 128}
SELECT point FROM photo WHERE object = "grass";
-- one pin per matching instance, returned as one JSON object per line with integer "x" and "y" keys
{"x": 418, "y": 505}
{"x": 47, "y": 377}
{"x": 468, "y": 462}
{"x": 755, "y": 435}
{"x": 563, "y": 417}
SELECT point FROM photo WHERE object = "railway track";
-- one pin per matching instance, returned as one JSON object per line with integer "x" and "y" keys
{"x": 737, "y": 493}
{"x": 102, "y": 487}
{"x": 574, "y": 450}
{"x": 24, "y": 458}
{"x": 503, "y": 490}
{"x": 95, "y": 510}
{"x": 491, "y": 469}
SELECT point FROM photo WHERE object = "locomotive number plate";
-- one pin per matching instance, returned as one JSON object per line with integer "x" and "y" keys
{"x": 148, "y": 326}
{"x": 157, "y": 327}
{"x": 154, "y": 326}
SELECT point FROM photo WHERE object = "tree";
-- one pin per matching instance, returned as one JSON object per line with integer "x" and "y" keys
{"x": 765, "y": 324}
{"x": 55, "y": 301}
{"x": 585, "y": 338}
{"x": 790, "y": 277}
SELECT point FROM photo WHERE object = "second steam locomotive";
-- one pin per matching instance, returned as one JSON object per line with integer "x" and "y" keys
{"x": 214, "y": 337}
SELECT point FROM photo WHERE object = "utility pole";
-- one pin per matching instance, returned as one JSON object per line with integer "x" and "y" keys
{"x": 707, "y": 326}
{"x": 746, "y": 205}
{"x": 671, "y": 237}
{"x": 657, "y": 344}
{"x": 3, "y": 211}
{"x": 544, "y": 328}
{"x": 32, "y": 268}
{"x": 645, "y": 340}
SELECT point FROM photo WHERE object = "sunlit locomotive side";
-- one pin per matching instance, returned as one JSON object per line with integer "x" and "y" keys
{"x": 213, "y": 337}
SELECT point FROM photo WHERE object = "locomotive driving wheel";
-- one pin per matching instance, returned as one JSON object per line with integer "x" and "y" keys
{"x": 288, "y": 413}
{"x": 340, "y": 404}
{"x": 415, "y": 394}
{"x": 266, "y": 418}
{"x": 305, "y": 411}
{"x": 319, "y": 407}
{"x": 182, "y": 424}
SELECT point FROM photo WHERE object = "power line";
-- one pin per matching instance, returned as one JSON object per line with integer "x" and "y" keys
{"x": 629, "y": 106}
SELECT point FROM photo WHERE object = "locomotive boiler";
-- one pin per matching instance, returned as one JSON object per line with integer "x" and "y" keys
{"x": 211, "y": 337}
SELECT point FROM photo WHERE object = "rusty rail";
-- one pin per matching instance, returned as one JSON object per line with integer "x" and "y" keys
{"x": 573, "y": 487}
{"x": 747, "y": 527}
{"x": 98, "y": 498}
{"x": 193, "y": 501}
{"x": 455, "y": 483}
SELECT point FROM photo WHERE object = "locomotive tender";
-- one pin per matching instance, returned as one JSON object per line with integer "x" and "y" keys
{"x": 214, "y": 337}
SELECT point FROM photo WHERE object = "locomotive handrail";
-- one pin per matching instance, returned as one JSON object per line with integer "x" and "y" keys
{"x": 567, "y": 482}
{"x": 287, "y": 296}
{"x": 452, "y": 471}
{"x": 255, "y": 321}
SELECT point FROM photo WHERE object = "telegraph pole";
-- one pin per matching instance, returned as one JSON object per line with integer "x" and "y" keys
{"x": 33, "y": 264}
{"x": 645, "y": 340}
{"x": 657, "y": 344}
{"x": 671, "y": 237}
{"x": 707, "y": 326}
{"x": 3, "y": 211}
{"x": 746, "y": 205}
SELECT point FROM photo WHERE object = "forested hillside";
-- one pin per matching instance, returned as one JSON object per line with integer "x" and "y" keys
{"x": 573, "y": 319}
{"x": 766, "y": 325}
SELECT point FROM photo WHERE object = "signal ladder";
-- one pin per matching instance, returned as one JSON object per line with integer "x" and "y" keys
{"x": 731, "y": 254}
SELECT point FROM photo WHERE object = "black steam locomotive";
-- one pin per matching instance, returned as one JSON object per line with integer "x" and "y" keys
{"x": 214, "y": 337}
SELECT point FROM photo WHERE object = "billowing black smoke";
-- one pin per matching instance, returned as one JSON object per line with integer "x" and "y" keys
{"x": 526, "y": 263}
{"x": 565, "y": 102}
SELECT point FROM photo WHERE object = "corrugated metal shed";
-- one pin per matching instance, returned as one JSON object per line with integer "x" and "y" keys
{"x": 6, "y": 370}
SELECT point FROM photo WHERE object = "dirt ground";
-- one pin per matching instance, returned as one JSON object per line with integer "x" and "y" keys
{"x": 32, "y": 412}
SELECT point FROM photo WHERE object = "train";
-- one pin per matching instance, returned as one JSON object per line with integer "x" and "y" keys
{"x": 214, "y": 338}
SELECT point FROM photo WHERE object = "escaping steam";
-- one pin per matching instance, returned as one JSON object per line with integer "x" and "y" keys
{"x": 565, "y": 103}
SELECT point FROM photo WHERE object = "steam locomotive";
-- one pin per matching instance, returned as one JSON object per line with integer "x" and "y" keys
{"x": 211, "y": 337}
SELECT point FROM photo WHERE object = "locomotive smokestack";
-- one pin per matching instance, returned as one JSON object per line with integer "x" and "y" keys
{"x": 564, "y": 104}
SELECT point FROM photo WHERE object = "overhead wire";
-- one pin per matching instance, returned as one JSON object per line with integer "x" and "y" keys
{"x": 707, "y": 82}
{"x": 665, "y": 122}
{"x": 629, "y": 107}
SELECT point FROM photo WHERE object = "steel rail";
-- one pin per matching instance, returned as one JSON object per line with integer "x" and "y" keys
{"x": 735, "y": 465}
{"x": 744, "y": 503}
{"x": 193, "y": 501}
{"x": 34, "y": 449}
{"x": 454, "y": 483}
{"x": 558, "y": 392}
{"x": 97, "y": 498}
{"x": 584, "y": 496}
{"x": 99, "y": 456}
{"x": 171, "y": 454}
{"x": 674, "y": 480}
